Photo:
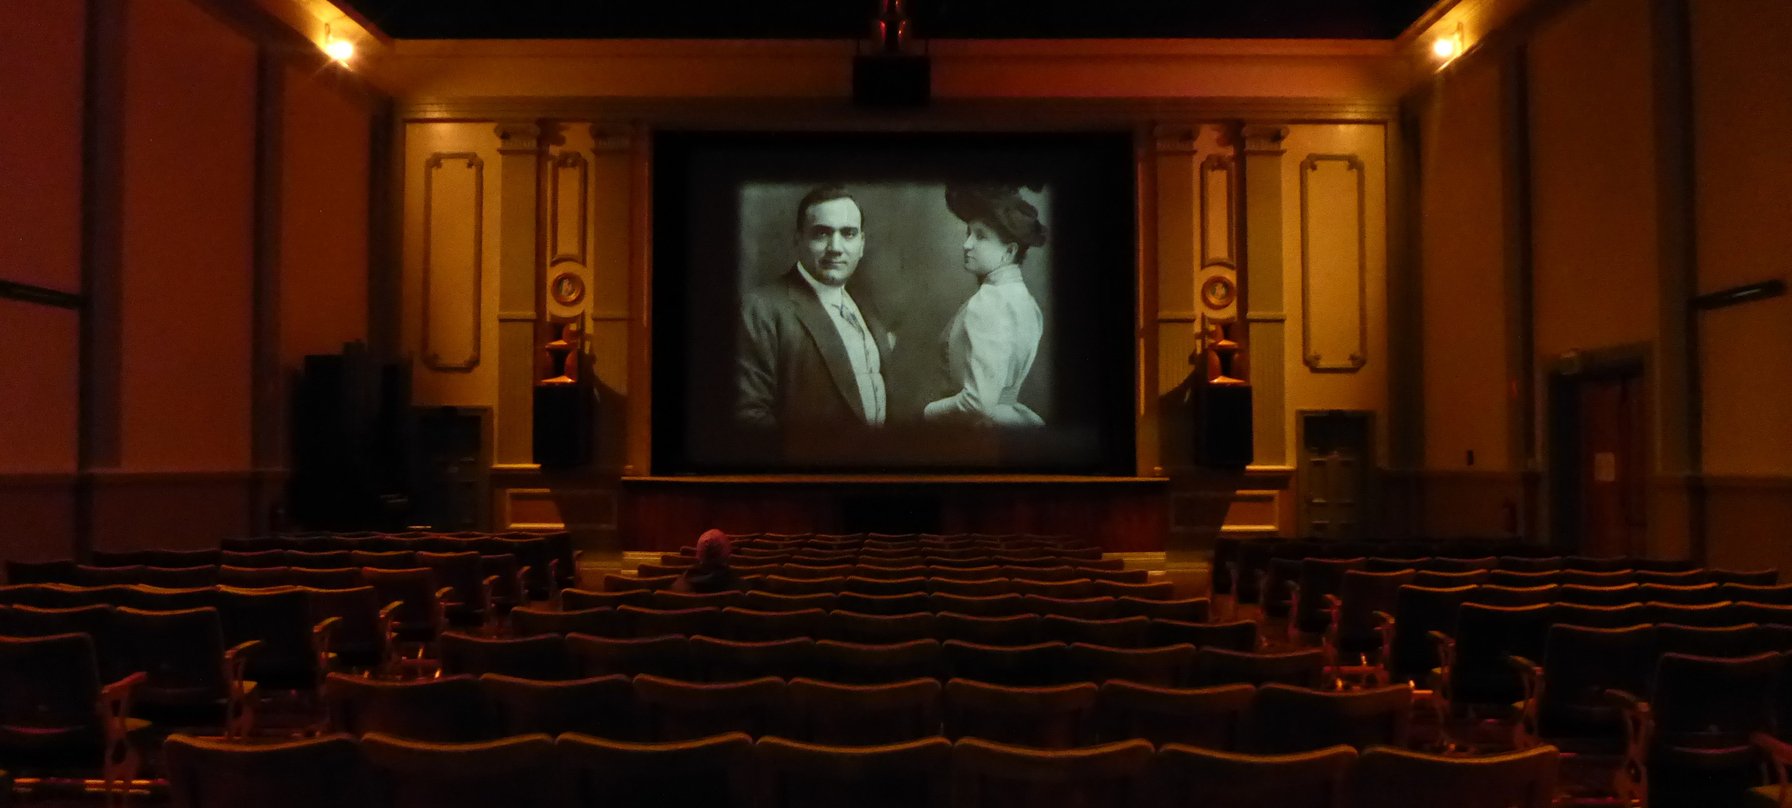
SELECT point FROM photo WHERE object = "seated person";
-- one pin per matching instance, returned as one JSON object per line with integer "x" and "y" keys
{"x": 711, "y": 572}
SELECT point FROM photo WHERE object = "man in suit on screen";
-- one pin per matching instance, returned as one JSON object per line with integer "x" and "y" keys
{"x": 810, "y": 358}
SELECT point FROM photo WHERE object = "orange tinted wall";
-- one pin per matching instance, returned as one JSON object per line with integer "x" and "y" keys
{"x": 41, "y": 69}
{"x": 188, "y": 239}
{"x": 1593, "y": 153}
{"x": 1464, "y": 259}
{"x": 1742, "y": 89}
{"x": 41, "y": 84}
{"x": 324, "y": 216}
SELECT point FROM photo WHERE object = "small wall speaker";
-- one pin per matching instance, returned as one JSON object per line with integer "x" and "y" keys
{"x": 1223, "y": 426}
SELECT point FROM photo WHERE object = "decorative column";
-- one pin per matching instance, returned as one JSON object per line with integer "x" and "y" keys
{"x": 1260, "y": 155}
{"x": 519, "y": 183}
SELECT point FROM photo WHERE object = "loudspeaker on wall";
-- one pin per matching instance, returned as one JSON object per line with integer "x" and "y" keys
{"x": 1223, "y": 426}
{"x": 563, "y": 414}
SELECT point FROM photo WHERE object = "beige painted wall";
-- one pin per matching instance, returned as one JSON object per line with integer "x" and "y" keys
{"x": 454, "y": 330}
{"x": 1592, "y": 149}
{"x": 1333, "y": 297}
{"x": 1597, "y": 265}
{"x": 603, "y": 261}
{"x": 1463, "y": 265}
{"x": 442, "y": 70}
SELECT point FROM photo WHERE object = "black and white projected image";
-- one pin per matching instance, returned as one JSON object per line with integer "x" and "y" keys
{"x": 875, "y": 303}
{"x": 951, "y": 273}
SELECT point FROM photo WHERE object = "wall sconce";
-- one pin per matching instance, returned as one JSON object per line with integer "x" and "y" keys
{"x": 339, "y": 50}
{"x": 1447, "y": 47}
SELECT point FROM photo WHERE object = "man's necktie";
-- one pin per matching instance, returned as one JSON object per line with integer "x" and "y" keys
{"x": 851, "y": 318}
{"x": 870, "y": 351}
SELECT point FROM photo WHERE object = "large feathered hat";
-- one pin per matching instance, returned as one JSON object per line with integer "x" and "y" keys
{"x": 1001, "y": 207}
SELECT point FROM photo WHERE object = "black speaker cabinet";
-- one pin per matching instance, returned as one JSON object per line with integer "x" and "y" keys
{"x": 1223, "y": 426}
{"x": 563, "y": 415}
{"x": 892, "y": 81}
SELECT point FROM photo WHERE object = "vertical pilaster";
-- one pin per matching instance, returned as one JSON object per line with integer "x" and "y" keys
{"x": 519, "y": 261}
{"x": 266, "y": 413}
{"x": 1681, "y": 407}
{"x": 1406, "y": 322}
{"x": 102, "y": 244}
{"x": 1266, "y": 318}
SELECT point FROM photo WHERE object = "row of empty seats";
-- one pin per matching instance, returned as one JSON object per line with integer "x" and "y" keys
{"x": 732, "y": 771}
{"x": 1010, "y": 629}
{"x": 505, "y": 574}
{"x": 1401, "y": 623}
{"x": 705, "y": 658}
{"x": 1273, "y": 718}
{"x": 1072, "y": 587}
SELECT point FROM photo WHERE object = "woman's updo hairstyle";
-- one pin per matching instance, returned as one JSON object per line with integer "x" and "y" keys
{"x": 1014, "y": 220}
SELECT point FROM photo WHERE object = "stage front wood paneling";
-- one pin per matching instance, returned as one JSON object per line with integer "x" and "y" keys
{"x": 1125, "y": 515}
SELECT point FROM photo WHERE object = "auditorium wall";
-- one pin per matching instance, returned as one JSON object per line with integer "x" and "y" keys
{"x": 40, "y": 189}
{"x": 1742, "y": 92}
{"x": 1629, "y": 151}
{"x": 1471, "y": 460}
{"x": 150, "y": 178}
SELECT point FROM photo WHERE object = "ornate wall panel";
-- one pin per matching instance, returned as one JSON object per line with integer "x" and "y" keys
{"x": 1216, "y": 282}
{"x": 1334, "y": 259}
{"x": 567, "y": 208}
{"x": 1217, "y": 193}
{"x": 453, "y": 238}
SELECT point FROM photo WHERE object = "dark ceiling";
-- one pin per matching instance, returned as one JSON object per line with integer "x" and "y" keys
{"x": 837, "y": 19}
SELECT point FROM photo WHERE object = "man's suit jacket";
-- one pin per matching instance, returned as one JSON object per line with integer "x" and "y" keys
{"x": 793, "y": 369}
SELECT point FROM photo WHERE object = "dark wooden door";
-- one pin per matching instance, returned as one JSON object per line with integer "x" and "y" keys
{"x": 1611, "y": 471}
{"x": 1334, "y": 474}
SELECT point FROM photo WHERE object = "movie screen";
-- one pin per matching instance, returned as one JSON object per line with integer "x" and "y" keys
{"x": 868, "y": 303}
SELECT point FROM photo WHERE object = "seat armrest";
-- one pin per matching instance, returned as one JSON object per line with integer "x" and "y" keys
{"x": 321, "y": 635}
{"x": 439, "y": 606}
{"x": 1626, "y": 700}
{"x": 1385, "y": 625}
{"x": 114, "y": 708}
{"x": 239, "y": 715}
{"x": 1779, "y": 751}
{"x": 1527, "y": 732}
{"x": 1446, "y": 662}
{"x": 1632, "y": 779}
{"x": 123, "y": 688}
{"x": 236, "y": 659}
{"x": 486, "y": 586}
{"x": 115, "y": 702}
{"x": 1779, "y": 754}
{"x": 389, "y": 633}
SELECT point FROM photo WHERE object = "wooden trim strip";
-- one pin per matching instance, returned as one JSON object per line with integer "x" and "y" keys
{"x": 41, "y": 295}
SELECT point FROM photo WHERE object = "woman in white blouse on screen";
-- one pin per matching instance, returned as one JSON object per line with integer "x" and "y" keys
{"x": 992, "y": 341}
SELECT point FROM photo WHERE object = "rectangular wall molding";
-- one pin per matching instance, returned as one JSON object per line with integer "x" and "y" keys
{"x": 567, "y": 209}
{"x": 453, "y": 272}
{"x": 1333, "y": 263}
